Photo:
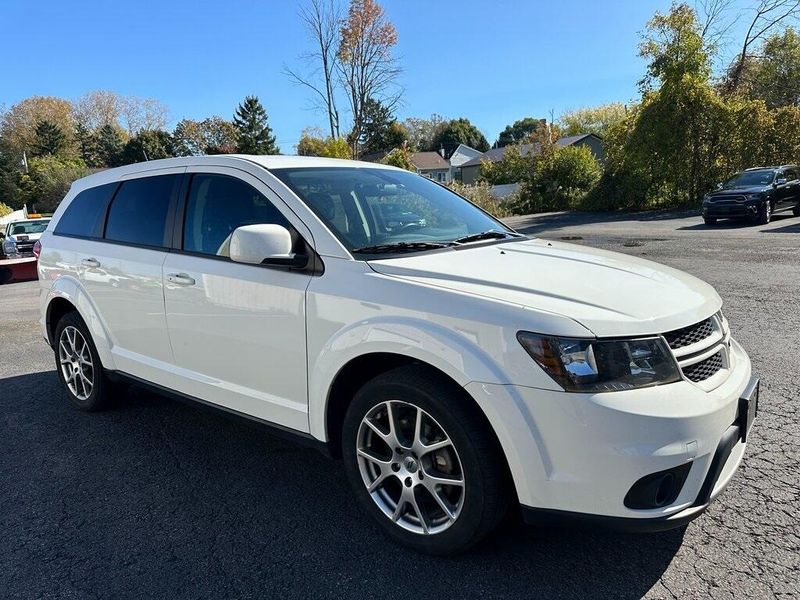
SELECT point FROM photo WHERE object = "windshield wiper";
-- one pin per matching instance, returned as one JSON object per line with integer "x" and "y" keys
{"x": 402, "y": 247}
{"x": 492, "y": 234}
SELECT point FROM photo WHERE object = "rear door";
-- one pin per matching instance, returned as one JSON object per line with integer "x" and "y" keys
{"x": 122, "y": 271}
{"x": 237, "y": 330}
{"x": 792, "y": 187}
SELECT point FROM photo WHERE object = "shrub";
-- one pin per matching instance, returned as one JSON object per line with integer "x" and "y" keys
{"x": 480, "y": 195}
{"x": 5, "y": 209}
{"x": 399, "y": 157}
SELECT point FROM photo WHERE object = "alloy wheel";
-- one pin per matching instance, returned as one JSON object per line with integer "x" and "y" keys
{"x": 75, "y": 360}
{"x": 410, "y": 467}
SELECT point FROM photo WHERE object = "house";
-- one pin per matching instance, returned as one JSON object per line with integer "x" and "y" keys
{"x": 461, "y": 155}
{"x": 432, "y": 166}
{"x": 471, "y": 168}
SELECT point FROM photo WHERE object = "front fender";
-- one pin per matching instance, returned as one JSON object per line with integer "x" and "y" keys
{"x": 69, "y": 288}
{"x": 441, "y": 347}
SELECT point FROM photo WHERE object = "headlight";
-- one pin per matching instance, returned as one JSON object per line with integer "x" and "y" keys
{"x": 587, "y": 365}
{"x": 754, "y": 196}
{"x": 10, "y": 247}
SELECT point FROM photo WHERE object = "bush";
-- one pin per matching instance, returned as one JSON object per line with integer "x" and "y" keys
{"x": 5, "y": 209}
{"x": 399, "y": 157}
{"x": 560, "y": 180}
{"x": 480, "y": 195}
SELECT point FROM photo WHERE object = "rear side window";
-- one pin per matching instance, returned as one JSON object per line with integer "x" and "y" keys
{"x": 138, "y": 214}
{"x": 217, "y": 205}
{"x": 85, "y": 214}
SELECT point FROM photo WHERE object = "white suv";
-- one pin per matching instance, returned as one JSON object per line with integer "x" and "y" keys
{"x": 457, "y": 367}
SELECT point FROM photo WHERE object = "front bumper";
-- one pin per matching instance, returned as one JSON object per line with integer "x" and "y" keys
{"x": 724, "y": 210}
{"x": 575, "y": 456}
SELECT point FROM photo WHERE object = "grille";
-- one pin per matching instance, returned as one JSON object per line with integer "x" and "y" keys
{"x": 686, "y": 336}
{"x": 704, "y": 369}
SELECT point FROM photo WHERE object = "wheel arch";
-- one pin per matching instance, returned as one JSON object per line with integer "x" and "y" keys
{"x": 67, "y": 295}
{"x": 361, "y": 369}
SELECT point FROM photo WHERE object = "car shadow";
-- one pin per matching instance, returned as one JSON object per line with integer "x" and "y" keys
{"x": 737, "y": 224}
{"x": 160, "y": 499}
{"x": 539, "y": 223}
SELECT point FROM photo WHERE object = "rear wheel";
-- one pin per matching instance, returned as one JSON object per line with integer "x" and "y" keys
{"x": 423, "y": 463}
{"x": 78, "y": 365}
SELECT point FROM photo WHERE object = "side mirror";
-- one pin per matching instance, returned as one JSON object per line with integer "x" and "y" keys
{"x": 781, "y": 181}
{"x": 265, "y": 245}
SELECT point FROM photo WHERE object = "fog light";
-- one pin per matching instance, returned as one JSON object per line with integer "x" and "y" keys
{"x": 657, "y": 489}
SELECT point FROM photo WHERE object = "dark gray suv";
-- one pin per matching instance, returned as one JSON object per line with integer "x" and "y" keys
{"x": 755, "y": 194}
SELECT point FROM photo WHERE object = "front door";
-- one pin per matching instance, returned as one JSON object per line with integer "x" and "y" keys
{"x": 237, "y": 331}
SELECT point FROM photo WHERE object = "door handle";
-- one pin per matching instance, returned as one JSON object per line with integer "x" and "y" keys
{"x": 180, "y": 279}
{"x": 92, "y": 263}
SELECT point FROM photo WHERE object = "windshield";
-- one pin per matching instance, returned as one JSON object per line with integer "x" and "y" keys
{"x": 369, "y": 207}
{"x": 750, "y": 179}
{"x": 27, "y": 227}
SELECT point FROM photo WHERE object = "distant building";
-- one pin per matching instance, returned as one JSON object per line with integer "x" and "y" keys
{"x": 462, "y": 154}
{"x": 432, "y": 166}
{"x": 471, "y": 168}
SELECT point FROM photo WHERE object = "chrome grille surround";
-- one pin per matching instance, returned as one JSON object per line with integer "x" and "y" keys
{"x": 702, "y": 351}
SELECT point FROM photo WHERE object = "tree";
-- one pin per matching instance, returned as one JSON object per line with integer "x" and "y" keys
{"x": 519, "y": 130}
{"x": 596, "y": 120}
{"x": 366, "y": 66}
{"x": 49, "y": 140}
{"x": 381, "y": 131}
{"x": 399, "y": 157}
{"x": 765, "y": 18}
{"x": 48, "y": 180}
{"x": 110, "y": 146}
{"x": 95, "y": 109}
{"x": 321, "y": 19}
{"x": 455, "y": 132}
{"x": 511, "y": 168}
{"x": 18, "y": 126}
{"x": 148, "y": 145}
{"x": 255, "y": 134}
{"x": 142, "y": 114}
{"x": 775, "y": 75}
{"x": 213, "y": 135}
{"x": 422, "y": 131}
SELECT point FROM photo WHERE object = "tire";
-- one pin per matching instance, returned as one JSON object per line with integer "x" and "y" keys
{"x": 764, "y": 214}
{"x": 78, "y": 365}
{"x": 710, "y": 220}
{"x": 466, "y": 451}
{"x": 796, "y": 210}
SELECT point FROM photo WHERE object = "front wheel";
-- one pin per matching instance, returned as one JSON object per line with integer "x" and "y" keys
{"x": 765, "y": 214}
{"x": 423, "y": 463}
{"x": 796, "y": 210}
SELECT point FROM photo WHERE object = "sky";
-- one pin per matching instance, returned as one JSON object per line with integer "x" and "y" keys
{"x": 492, "y": 61}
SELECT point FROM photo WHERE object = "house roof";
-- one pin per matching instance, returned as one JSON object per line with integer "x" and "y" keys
{"x": 428, "y": 161}
{"x": 496, "y": 154}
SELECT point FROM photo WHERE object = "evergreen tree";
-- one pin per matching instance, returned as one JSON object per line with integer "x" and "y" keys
{"x": 87, "y": 146}
{"x": 380, "y": 130}
{"x": 255, "y": 134}
{"x": 49, "y": 139}
{"x": 151, "y": 144}
{"x": 109, "y": 146}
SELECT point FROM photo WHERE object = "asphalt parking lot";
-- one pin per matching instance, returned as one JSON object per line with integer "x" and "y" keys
{"x": 162, "y": 500}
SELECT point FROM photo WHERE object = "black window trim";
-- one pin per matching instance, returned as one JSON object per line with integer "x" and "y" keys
{"x": 315, "y": 266}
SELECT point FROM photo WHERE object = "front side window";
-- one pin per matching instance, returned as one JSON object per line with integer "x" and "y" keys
{"x": 138, "y": 213}
{"x": 85, "y": 214}
{"x": 217, "y": 205}
{"x": 367, "y": 207}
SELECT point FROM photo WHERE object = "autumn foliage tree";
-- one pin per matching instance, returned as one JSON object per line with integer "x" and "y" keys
{"x": 367, "y": 67}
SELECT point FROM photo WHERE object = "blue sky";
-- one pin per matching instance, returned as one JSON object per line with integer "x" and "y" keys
{"x": 490, "y": 61}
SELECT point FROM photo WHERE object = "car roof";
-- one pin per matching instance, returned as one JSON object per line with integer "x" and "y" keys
{"x": 268, "y": 162}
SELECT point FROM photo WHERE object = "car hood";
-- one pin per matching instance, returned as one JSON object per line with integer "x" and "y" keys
{"x": 610, "y": 294}
{"x": 738, "y": 191}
